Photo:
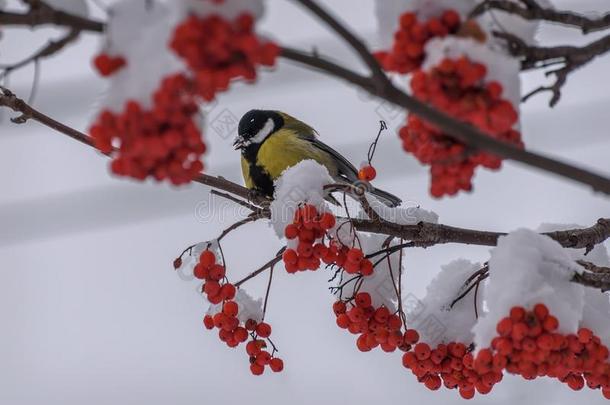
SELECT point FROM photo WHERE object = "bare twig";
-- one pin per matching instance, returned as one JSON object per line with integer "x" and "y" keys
{"x": 571, "y": 58}
{"x": 379, "y": 77}
{"x": 593, "y": 280}
{"x": 44, "y": 14}
{"x": 268, "y": 290}
{"x": 426, "y": 234}
{"x": 262, "y": 269}
{"x": 593, "y": 268}
{"x": 459, "y": 130}
{"x": 533, "y": 11}
{"x": 255, "y": 216}
{"x": 53, "y": 47}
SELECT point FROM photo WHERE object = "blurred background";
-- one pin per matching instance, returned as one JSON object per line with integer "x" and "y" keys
{"x": 91, "y": 308}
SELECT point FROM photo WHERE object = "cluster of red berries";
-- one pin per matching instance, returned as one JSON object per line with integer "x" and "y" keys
{"x": 309, "y": 225}
{"x": 527, "y": 345}
{"x": 457, "y": 88}
{"x": 107, "y": 65}
{"x": 408, "y": 51}
{"x": 216, "y": 287}
{"x": 450, "y": 364}
{"x": 163, "y": 142}
{"x": 218, "y": 51}
{"x": 375, "y": 326}
{"x": 233, "y": 334}
{"x": 367, "y": 173}
{"x": 218, "y": 290}
{"x": 530, "y": 346}
{"x": 309, "y": 228}
{"x": 260, "y": 358}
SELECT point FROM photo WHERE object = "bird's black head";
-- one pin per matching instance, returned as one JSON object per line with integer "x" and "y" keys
{"x": 255, "y": 126}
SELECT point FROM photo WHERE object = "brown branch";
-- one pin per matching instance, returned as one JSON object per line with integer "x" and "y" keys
{"x": 42, "y": 14}
{"x": 53, "y": 47}
{"x": 571, "y": 58}
{"x": 255, "y": 216}
{"x": 593, "y": 280}
{"x": 459, "y": 130}
{"x": 426, "y": 234}
{"x": 262, "y": 269}
{"x": 586, "y": 238}
{"x": 378, "y": 85}
{"x": 379, "y": 77}
{"x": 533, "y": 11}
{"x": 593, "y": 268}
{"x": 9, "y": 100}
{"x": 435, "y": 234}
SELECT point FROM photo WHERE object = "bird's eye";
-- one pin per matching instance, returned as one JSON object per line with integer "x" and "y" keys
{"x": 252, "y": 120}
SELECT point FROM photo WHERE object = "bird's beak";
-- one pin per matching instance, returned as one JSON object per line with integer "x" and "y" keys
{"x": 239, "y": 143}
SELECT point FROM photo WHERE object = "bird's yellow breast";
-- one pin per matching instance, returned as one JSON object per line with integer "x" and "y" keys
{"x": 285, "y": 149}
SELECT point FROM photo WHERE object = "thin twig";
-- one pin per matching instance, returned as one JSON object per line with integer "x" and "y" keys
{"x": 262, "y": 269}
{"x": 48, "y": 50}
{"x": 426, "y": 234}
{"x": 268, "y": 290}
{"x": 533, "y": 11}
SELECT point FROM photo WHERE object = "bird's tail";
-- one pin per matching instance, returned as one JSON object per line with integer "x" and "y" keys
{"x": 386, "y": 198}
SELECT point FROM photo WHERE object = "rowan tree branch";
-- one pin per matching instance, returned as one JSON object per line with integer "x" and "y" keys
{"x": 51, "y": 48}
{"x": 425, "y": 234}
{"x": 571, "y": 58}
{"x": 378, "y": 75}
{"x": 43, "y": 14}
{"x": 531, "y": 10}
{"x": 380, "y": 86}
{"x": 459, "y": 130}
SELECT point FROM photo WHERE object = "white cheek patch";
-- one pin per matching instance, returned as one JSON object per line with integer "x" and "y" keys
{"x": 264, "y": 132}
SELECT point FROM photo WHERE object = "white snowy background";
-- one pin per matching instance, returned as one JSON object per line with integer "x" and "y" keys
{"x": 92, "y": 311}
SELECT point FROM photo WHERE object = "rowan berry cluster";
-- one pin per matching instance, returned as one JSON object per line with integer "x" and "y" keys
{"x": 310, "y": 230}
{"x": 529, "y": 345}
{"x": 217, "y": 51}
{"x": 450, "y": 364}
{"x": 107, "y": 65}
{"x": 376, "y": 327}
{"x": 216, "y": 287}
{"x": 408, "y": 53}
{"x": 260, "y": 358}
{"x": 230, "y": 331}
{"x": 162, "y": 142}
{"x": 457, "y": 87}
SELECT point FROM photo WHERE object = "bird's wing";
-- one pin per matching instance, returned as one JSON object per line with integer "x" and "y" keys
{"x": 345, "y": 167}
{"x": 306, "y": 132}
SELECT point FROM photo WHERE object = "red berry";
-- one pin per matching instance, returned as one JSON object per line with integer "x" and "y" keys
{"x": 257, "y": 369}
{"x": 367, "y": 173}
{"x": 276, "y": 365}
{"x": 263, "y": 330}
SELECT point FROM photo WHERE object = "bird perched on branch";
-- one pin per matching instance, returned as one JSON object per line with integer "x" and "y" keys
{"x": 272, "y": 141}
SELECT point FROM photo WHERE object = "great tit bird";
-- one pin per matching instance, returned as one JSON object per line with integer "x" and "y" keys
{"x": 272, "y": 141}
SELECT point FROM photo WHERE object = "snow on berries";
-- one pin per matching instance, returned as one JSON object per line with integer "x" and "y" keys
{"x": 530, "y": 345}
{"x": 458, "y": 88}
{"x": 408, "y": 51}
{"x": 217, "y": 50}
{"x": 163, "y": 142}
